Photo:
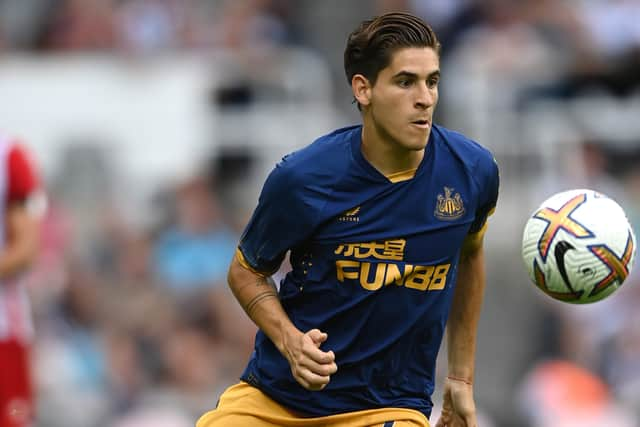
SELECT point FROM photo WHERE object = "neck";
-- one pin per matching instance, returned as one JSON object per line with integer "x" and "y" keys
{"x": 386, "y": 154}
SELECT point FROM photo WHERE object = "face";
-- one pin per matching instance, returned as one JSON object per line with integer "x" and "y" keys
{"x": 400, "y": 105}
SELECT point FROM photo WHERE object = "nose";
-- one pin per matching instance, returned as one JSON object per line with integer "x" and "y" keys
{"x": 426, "y": 96}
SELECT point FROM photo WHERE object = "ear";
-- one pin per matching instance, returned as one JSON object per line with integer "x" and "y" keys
{"x": 361, "y": 88}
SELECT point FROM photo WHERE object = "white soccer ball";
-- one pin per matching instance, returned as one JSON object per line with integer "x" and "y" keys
{"x": 578, "y": 246}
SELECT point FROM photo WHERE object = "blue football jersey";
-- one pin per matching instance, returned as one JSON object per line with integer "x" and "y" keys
{"x": 374, "y": 263}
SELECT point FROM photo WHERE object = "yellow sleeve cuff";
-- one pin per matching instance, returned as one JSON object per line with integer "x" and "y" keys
{"x": 243, "y": 262}
{"x": 474, "y": 240}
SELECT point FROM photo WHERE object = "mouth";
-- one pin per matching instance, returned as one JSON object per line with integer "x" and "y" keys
{"x": 423, "y": 124}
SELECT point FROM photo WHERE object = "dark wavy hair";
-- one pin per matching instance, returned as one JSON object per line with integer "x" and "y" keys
{"x": 371, "y": 45}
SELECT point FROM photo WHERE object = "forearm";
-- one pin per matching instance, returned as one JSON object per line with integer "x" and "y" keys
{"x": 14, "y": 262}
{"x": 464, "y": 316}
{"x": 259, "y": 298}
{"x": 21, "y": 244}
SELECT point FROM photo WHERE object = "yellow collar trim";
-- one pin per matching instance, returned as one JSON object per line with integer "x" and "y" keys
{"x": 402, "y": 176}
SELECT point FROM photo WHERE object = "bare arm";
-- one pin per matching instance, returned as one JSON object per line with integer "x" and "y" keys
{"x": 259, "y": 298}
{"x": 21, "y": 242}
{"x": 458, "y": 407}
{"x": 465, "y": 312}
{"x": 257, "y": 295}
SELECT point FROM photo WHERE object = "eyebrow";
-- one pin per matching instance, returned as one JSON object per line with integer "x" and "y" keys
{"x": 404, "y": 73}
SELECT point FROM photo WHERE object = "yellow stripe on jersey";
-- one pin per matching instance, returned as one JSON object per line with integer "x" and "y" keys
{"x": 474, "y": 240}
{"x": 243, "y": 262}
{"x": 480, "y": 233}
{"x": 244, "y": 405}
{"x": 402, "y": 176}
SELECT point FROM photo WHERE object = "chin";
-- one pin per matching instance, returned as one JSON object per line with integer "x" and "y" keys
{"x": 416, "y": 145}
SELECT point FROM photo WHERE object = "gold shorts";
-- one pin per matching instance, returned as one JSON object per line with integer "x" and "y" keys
{"x": 242, "y": 405}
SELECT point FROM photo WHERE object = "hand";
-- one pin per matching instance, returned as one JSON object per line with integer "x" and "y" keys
{"x": 310, "y": 366}
{"x": 458, "y": 407}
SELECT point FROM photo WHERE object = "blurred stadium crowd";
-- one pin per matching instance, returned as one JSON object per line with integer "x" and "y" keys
{"x": 134, "y": 323}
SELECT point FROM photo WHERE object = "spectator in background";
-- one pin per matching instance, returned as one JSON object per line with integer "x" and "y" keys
{"x": 22, "y": 206}
{"x": 150, "y": 26}
{"x": 557, "y": 393}
{"x": 193, "y": 253}
{"x": 449, "y": 18}
{"x": 251, "y": 24}
{"x": 71, "y": 363}
{"x": 80, "y": 25}
{"x": 599, "y": 41}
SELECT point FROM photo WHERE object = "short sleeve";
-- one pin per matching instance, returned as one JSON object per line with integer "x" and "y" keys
{"x": 489, "y": 179}
{"x": 282, "y": 220}
{"x": 23, "y": 180}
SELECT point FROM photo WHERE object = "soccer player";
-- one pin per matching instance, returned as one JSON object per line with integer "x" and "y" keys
{"x": 385, "y": 225}
{"x": 21, "y": 206}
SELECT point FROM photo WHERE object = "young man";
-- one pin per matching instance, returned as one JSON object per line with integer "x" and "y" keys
{"x": 22, "y": 205}
{"x": 385, "y": 224}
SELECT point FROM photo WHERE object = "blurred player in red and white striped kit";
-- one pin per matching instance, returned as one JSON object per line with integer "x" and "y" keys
{"x": 22, "y": 204}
